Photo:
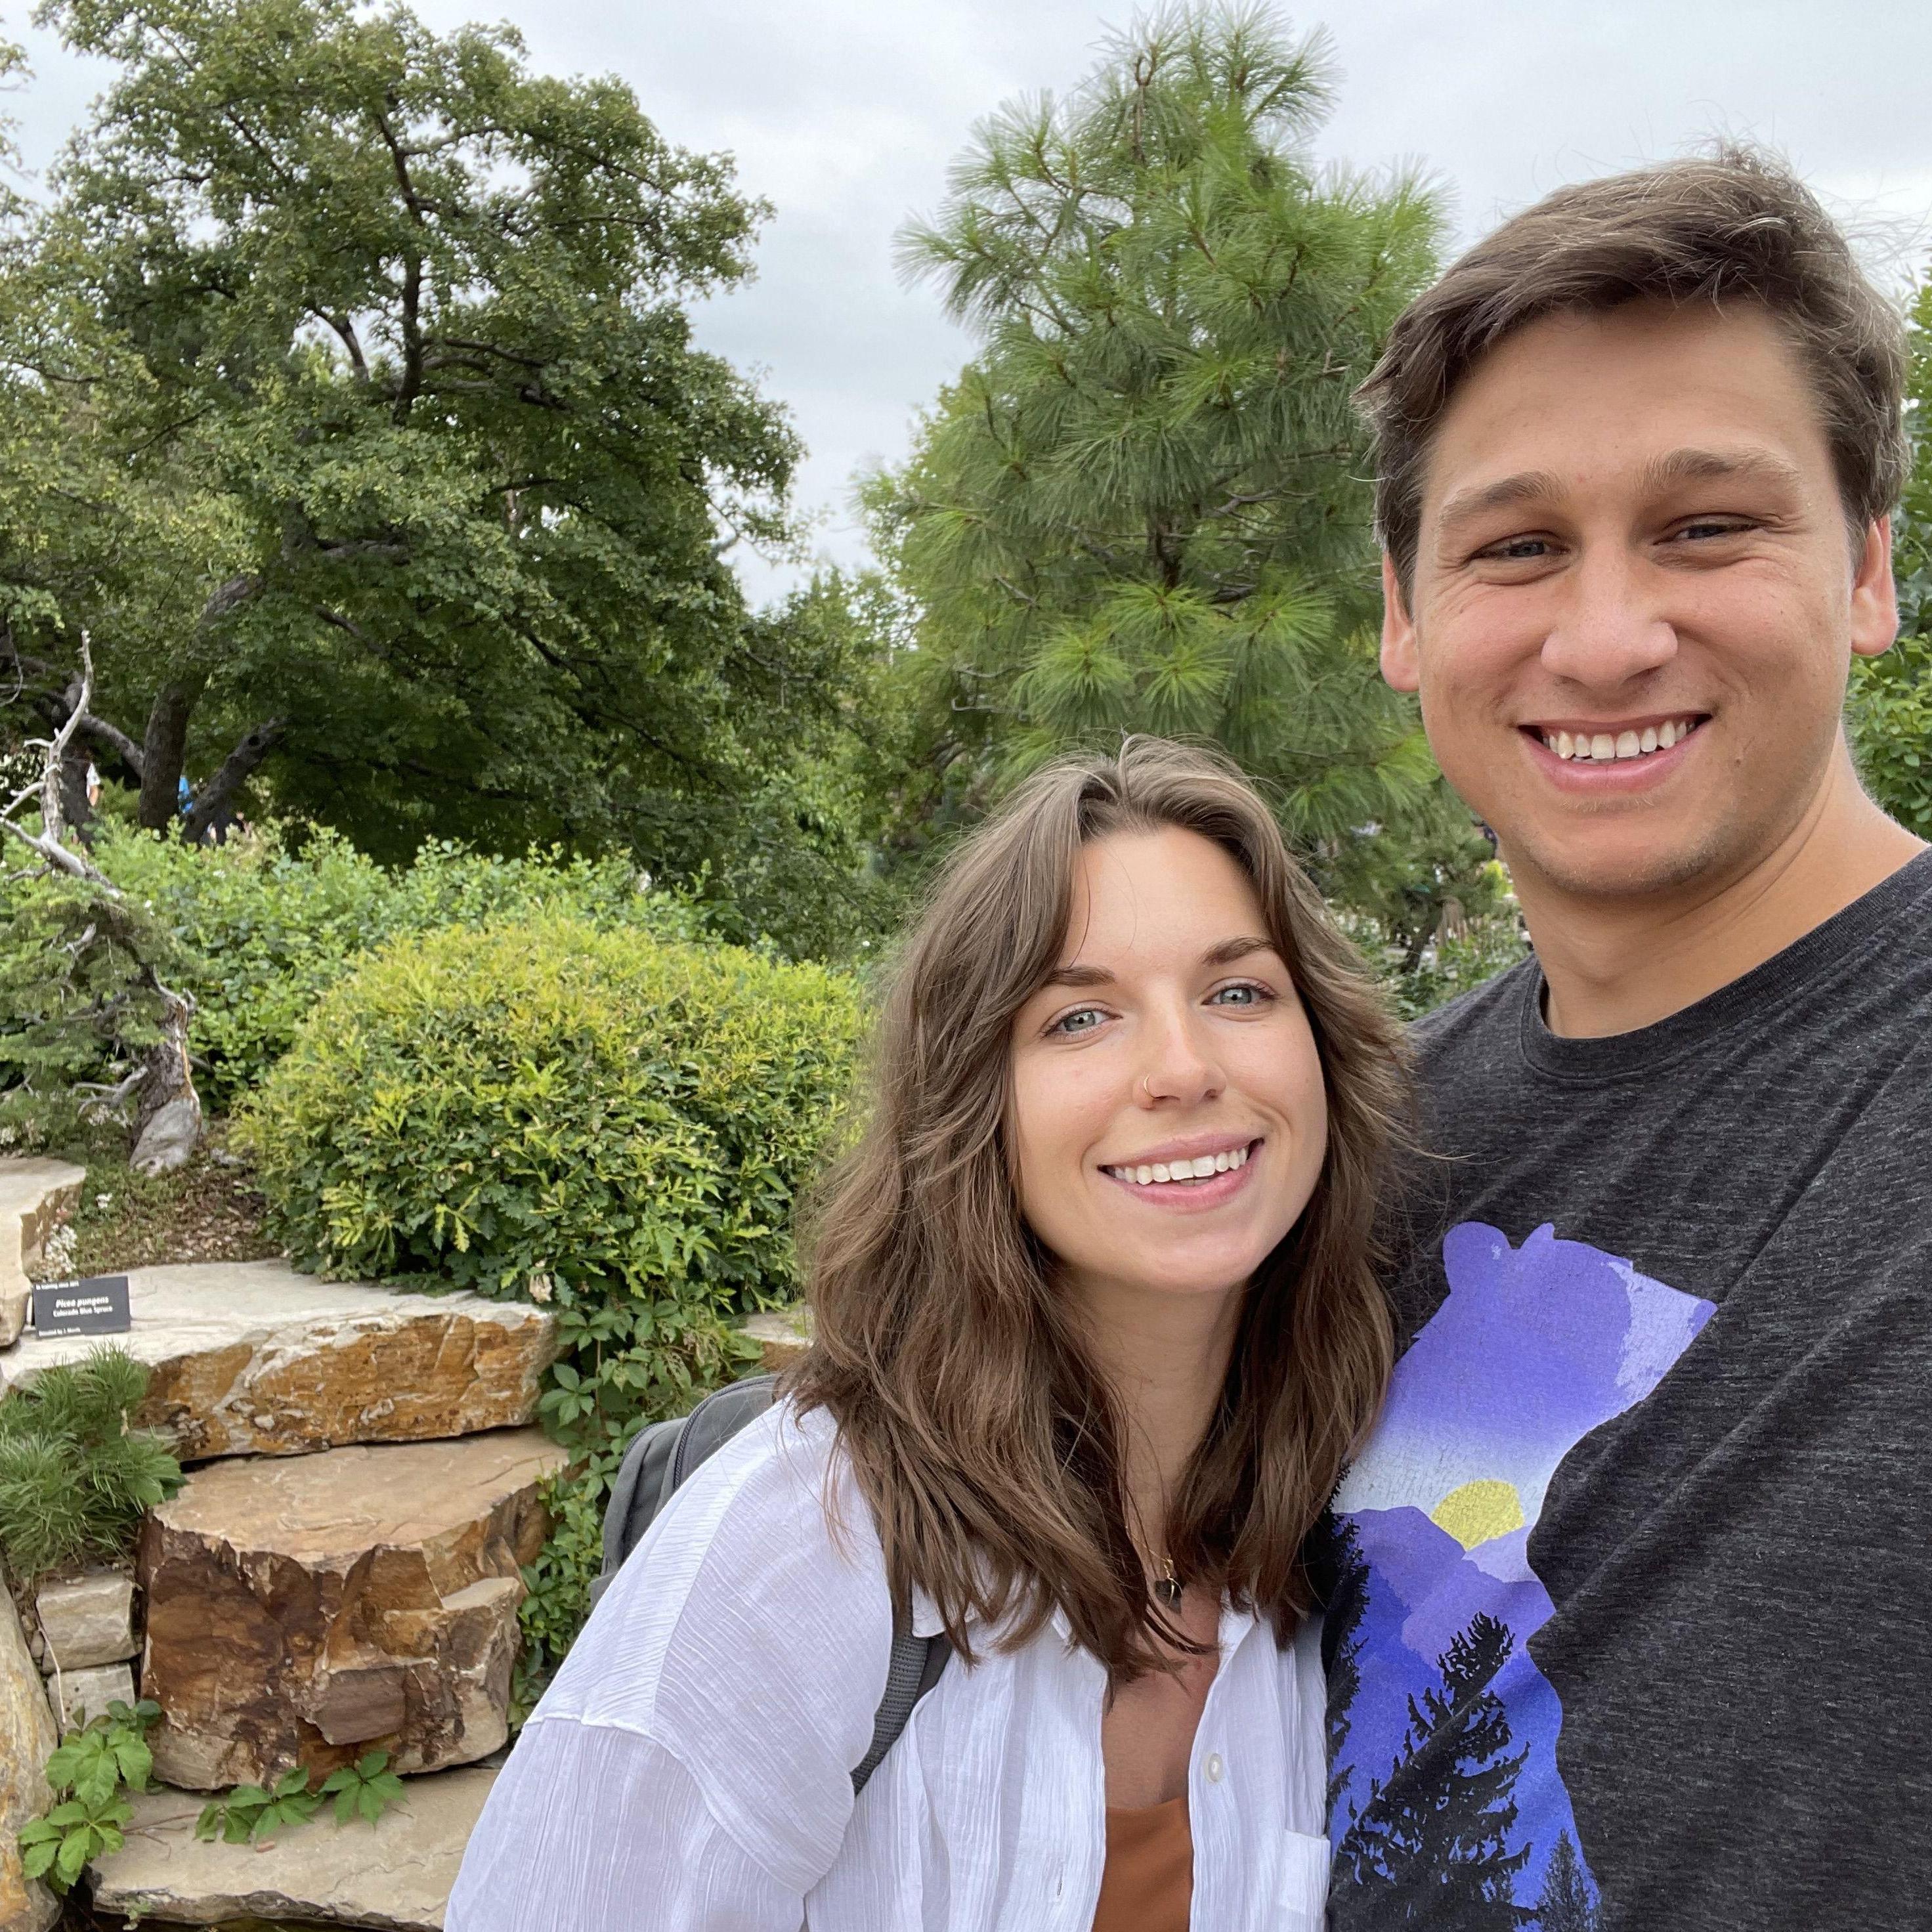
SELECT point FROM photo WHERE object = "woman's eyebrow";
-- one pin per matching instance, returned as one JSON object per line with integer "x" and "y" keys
{"x": 1225, "y": 954}
{"x": 1229, "y": 950}
{"x": 1078, "y": 976}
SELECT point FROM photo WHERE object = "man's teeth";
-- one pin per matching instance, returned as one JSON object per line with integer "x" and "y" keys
{"x": 1600, "y": 747}
{"x": 1155, "y": 1172}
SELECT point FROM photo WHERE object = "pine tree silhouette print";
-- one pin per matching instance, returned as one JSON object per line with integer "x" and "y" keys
{"x": 1432, "y": 1846}
{"x": 1569, "y": 1901}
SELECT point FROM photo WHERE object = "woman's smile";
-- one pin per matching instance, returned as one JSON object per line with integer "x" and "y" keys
{"x": 1189, "y": 1177}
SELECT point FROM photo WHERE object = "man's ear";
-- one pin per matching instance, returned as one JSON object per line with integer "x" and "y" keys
{"x": 1400, "y": 670}
{"x": 1874, "y": 595}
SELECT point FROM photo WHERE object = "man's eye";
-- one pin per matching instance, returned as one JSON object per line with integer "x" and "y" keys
{"x": 1517, "y": 550}
{"x": 1707, "y": 528}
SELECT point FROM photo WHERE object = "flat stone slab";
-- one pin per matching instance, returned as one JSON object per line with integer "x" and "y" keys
{"x": 32, "y": 1191}
{"x": 87, "y": 1620}
{"x": 393, "y": 1876}
{"x": 306, "y": 1610}
{"x": 250, "y": 1358}
{"x": 782, "y": 1334}
{"x": 85, "y": 1695}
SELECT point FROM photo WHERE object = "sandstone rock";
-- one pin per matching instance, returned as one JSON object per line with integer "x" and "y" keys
{"x": 782, "y": 1334}
{"x": 27, "y": 1735}
{"x": 309, "y": 1608}
{"x": 88, "y": 1619}
{"x": 395, "y": 1875}
{"x": 85, "y": 1695}
{"x": 32, "y": 1191}
{"x": 250, "y": 1358}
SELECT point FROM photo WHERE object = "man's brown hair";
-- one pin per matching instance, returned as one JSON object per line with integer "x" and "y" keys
{"x": 986, "y": 1442}
{"x": 1730, "y": 227}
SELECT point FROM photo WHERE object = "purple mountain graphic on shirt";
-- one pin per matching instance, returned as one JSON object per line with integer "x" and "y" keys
{"x": 1535, "y": 1347}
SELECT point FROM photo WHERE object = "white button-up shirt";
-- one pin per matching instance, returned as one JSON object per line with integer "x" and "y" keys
{"x": 689, "y": 1767}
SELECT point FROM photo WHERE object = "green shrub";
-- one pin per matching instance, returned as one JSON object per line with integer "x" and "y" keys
{"x": 266, "y": 928}
{"x": 75, "y": 1479}
{"x": 615, "y": 1125}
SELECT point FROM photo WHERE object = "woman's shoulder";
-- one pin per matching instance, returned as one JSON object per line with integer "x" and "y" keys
{"x": 766, "y": 1561}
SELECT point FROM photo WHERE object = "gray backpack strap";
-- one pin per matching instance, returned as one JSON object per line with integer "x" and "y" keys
{"x": 660, "y": 1456}
{"x": 914, "y": 1669}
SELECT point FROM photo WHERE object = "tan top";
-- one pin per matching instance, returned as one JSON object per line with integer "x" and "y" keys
{"x": 1147, "y": 1882}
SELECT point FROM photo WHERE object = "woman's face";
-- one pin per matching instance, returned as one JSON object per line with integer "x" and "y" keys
{"x": 1170, "y": 1040}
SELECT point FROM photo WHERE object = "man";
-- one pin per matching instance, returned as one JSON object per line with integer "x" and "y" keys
{"x": 1631, "y": 1620}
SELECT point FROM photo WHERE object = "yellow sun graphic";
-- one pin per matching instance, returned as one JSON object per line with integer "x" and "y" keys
{"x": 1479, "y": 1510}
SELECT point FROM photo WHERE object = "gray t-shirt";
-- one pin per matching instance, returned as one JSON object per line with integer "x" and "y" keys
{"x": 1630, "y": 1617}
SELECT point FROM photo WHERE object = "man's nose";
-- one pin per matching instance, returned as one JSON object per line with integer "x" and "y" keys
{"x": 1609, "y": 630}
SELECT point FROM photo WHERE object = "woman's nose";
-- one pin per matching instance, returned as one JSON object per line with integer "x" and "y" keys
{"x": 1178, "y": 1066}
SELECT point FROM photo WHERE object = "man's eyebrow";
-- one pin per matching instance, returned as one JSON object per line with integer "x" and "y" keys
{"x": 1721, "y": 465}
{"x": 1528, "y": 486}
{"x": 1225, "y": 954}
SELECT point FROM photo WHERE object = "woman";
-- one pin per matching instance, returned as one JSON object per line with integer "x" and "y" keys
{"x": 1096, "y": 1327}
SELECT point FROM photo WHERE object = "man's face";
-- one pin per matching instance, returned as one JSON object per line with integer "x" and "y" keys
{"x": 1636, "y": 598}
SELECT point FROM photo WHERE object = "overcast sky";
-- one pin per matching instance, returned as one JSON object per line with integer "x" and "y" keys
{"x": 844, "y": 114}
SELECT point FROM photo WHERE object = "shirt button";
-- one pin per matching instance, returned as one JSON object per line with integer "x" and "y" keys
{"x": 1213, "y": 1767}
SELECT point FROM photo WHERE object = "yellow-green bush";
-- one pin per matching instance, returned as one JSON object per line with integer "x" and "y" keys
{"x": 547, "y": 1111}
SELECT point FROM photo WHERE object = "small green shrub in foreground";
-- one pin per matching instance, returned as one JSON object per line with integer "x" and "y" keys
{"x": 613, "y": 1125}
{"x": 75, "y": 1480}
{"x": 265, "y": 927}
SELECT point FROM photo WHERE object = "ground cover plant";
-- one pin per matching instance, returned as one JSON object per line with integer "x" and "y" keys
{"x": 76, "y": 1478}
{"x": 613, "y": 1126}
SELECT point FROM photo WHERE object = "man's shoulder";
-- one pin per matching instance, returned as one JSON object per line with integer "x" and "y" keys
{"x": 1475, "y": 1021}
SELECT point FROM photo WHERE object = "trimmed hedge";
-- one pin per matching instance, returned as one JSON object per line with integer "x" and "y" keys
{"x": 545, "y": 1110}
{"x": 265, "y": 927}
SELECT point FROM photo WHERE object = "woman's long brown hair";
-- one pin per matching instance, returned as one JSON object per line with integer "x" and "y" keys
{"x": 980, "y": 1432}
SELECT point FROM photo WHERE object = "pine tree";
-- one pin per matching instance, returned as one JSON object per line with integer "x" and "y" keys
{"x": 1431, "y": 1847}
{"x": 1142, "y": 507}
{"x": 1569, "y": 1901}
{"x": 1345, "y": 1574}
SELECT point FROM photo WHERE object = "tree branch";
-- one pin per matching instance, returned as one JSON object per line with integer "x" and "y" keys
{"x": 212, "y": 798}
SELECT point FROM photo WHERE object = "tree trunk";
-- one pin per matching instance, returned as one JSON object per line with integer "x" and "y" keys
{"x": 75, "y": 806}
{"x": 167, "y": 1120}
{"x": 164, "y": 748}
{"x": 211, "y": 801}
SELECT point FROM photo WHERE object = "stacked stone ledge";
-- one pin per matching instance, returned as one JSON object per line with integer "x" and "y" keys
{"x": 339, "y": 1574}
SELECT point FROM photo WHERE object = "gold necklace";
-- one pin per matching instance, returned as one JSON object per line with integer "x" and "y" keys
{"x": 1167, "y": 1586}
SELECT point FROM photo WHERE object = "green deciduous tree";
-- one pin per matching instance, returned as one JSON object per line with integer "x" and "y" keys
{"x": 1143, "y": 505}
{"x": 350, "y": 366}
{"x": 1891, "y": 702}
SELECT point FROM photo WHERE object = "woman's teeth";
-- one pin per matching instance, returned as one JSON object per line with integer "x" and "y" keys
{"x": 1602, "y": 747}
{"x": 1156, "y": 1173}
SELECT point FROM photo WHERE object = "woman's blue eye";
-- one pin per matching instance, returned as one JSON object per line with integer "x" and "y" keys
{"x": 1243, "y": 996}
{"x": 1082, "y": 1019}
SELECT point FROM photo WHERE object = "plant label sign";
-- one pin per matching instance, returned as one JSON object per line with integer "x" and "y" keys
{"x": 96, "y": 1306}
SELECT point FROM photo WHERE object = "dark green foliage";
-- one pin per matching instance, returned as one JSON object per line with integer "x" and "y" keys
{"x": 347, "y": 393}
{"x": 614, "y": 1126}
{"x": 1430, "y": 1847}
{"x": 75, "y": 1479}
{"x": 89, "y": 1773}
{"x": 1145, "y": 505}
{"x": 81, "y": 972}
{"x": 264, "y": 926}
